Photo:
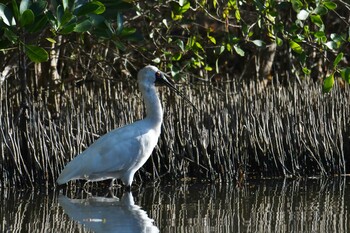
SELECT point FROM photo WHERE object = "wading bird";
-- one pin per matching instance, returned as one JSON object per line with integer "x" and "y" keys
{"x": 121, "y": 152}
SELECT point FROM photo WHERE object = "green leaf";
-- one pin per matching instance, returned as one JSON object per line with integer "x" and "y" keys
{"x": 83, "y": 26}
{"x": 319, "y": 34}
{"x": 27, "y": 17}
{"x": 185, "y": 7}
{"x": 345, "y": 74}
{"x": 53, "y": 41}
{"x": 320, "y": 10}
{"x": 101, "y": 9}
{"x": 176, "y": 57}
{"x": 295, "y": 47}
{"x": 127, "y": 31}
{"x": 330, "y": 5}
{"x": 38, "y": 7}
{"x": 239, "y": 51}
{"x": 259, "y": 43}
{"x": 337, "y": 60}
{"x": 306, "y": 71}
{"x": 199, "y": 46}
{"x": 328, "y": 83}
{"x": 15, "y": 9}
{"x": 10, "y": 35}
{"x": 279, "y": 41}
{"x": 208, "y": 68}
{"x": 212, "y": 39}
{"x": 237, "y": 15}
{"x": 90, "y": 7}
{"x": 180, "y": 43}
{"x": 297, "y": 5}
{"x": 36, "y": 53}
{"x": 316, "y": 19}
{"x": 66, "y": 17}
{"x": 68, "y": 28}
{"x": 39, "y": 23}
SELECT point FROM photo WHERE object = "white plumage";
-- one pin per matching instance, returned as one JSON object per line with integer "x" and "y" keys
{"x": 121, "y": 152}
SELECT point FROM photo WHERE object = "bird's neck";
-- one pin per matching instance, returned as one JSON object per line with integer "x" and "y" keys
{"x": 154, "y": 111}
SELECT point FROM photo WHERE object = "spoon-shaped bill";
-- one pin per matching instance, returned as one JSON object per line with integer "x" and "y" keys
{"x": 161, "y": 79}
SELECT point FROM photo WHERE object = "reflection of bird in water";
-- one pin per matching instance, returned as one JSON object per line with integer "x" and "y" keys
{"x": 121, "y": 152}
{"x": 105, "y": 215}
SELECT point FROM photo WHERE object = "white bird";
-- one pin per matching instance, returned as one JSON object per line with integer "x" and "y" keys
{"x": 121, "y": 152}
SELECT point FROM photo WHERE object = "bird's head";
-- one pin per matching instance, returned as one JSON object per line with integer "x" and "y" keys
{"x": 151, "y": 75}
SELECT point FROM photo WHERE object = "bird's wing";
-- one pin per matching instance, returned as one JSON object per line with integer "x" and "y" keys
{"x": 113, "y": 152}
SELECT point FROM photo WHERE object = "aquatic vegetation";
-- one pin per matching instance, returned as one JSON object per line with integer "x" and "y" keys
{"x": 241, "y": 129}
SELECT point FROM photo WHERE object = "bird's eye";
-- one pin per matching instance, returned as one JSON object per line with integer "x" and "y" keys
{"x": 158, "y": 75}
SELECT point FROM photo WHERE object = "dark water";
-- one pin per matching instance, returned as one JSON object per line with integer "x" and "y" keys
{"x": 313, "y": 205}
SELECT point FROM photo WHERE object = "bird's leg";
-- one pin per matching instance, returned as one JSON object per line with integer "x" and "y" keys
{"x": 86, "y": 188}
{"x": 111, "y": 184}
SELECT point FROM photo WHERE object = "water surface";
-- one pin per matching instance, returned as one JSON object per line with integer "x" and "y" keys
{"x": 312, "y": 205}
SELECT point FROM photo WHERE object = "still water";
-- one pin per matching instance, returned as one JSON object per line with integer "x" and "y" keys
{"x": 305, "y": 205}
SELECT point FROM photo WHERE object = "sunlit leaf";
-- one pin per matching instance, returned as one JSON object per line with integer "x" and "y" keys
{"x": 185, "y": 7}
{"x": 316, "y": 19}
{"x": 303, "y": 15}
{"x": 237, "y": 15}
{"x": 319, "y": 34}
{"x": 36, "y": 53}
{"x": 53, "y": 41}
{"x": 306, "y": 71}
{"x": 328, "y": 83}
{"x": 279, "y": 41}
{"x": 156, "y": 60}
{"x": 337, "y": 59}
{"x": 6, "y": 15}
{"x": 331, "y": 45}
{"x": 24, "y": 5}
{"x": 180, "y": 43}
{"x": 101, "y": 9}
{"x": 259, "y": 43}
{"x": 65, "y": 4}
{"x": 176, "y": 57}
{"x": 199, "y": 46}
{"x": 239, "y": 51}
{"x": 295, "y": 47}
{"x": 212, "y": 39}
{"x": 208, "y": 68}
{"x": 182, "y": 2}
